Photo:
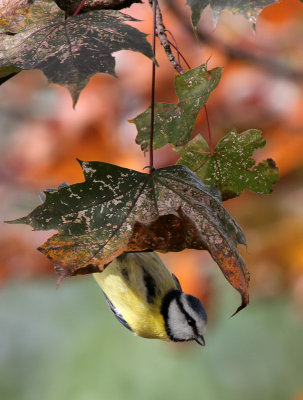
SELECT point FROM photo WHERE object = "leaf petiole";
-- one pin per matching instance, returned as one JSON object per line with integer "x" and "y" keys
{"x": 79, "y": 8}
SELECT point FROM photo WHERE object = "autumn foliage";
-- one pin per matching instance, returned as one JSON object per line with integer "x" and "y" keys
{"x": 44, "y": 149}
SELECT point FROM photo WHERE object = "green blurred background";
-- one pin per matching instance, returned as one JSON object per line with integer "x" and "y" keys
{"x": 66, "y": 345}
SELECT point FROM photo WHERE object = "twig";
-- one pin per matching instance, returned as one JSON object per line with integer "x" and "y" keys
{"x": 272, "y": 65}
{"x": 152, "y": 113}
{"x": 179, "y": 52}
{"x": 175, "y": 45}
{"x": 210, "y": 141}
{"x": 164, "y": 40}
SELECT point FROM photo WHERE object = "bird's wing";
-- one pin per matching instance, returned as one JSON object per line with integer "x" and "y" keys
{"x": 177, "y": 282}
{"x": 116, "y": 313}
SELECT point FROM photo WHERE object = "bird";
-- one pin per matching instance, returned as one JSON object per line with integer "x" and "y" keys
{"x": 147, "y": 299}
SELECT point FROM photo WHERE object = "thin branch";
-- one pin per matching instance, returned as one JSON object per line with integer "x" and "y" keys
{"x": 152, "y": 114}
{"x": 179, "y": 52}
{"x": 164, "y": 40}
{"x": 272, "y": 65}
{"x": 210, "y": 141}
{"x": 175, "y": 45}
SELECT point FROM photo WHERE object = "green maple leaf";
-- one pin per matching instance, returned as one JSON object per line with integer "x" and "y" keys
{"x": 231, "y": 167}
{"x": 249, "y": 8}
{"x": 116, "y": 210}
{"x": 69, "y": 51}
{"x": 174, "y": 123}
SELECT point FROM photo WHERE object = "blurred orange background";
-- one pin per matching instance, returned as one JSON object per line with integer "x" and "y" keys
{"x": 42, "y": 135}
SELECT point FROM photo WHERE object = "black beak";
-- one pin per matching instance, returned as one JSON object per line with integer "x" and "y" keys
{"x": 200, "y": 340}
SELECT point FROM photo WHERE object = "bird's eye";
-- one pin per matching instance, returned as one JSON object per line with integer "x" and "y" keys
{"x": 190, "y": 321}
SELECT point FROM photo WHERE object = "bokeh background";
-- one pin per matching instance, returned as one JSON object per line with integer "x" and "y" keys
{"x": 65, "y": 344}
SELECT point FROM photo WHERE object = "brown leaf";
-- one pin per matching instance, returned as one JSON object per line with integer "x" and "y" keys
{"x": 119, "y": 210}
{"x": 171, "y": 232}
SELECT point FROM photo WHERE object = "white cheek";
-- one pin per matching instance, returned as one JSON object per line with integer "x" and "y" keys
{"x": 200, "y": 323}
{"x": 177, "y": 323}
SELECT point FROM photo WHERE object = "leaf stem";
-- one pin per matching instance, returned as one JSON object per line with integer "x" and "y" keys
{"x": 79, "y": 8}
{"x": 210, "y": 141}
{"x": 175, "y": 46}
{"x": 160, "y": 30}
{"x": 152, "y": 114}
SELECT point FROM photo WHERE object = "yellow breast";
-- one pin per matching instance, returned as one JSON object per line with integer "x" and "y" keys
{"x": 136, "y": 283}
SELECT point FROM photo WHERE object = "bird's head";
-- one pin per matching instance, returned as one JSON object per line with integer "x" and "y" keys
{"x": 185, "y": 317}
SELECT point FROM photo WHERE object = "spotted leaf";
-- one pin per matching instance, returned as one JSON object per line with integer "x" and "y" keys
{"x": 249, "y": 8}
{"x": 70, "y": 6}
{"x": 174, "y": 123}
{"x": 230, "y": 167}
{"x": 116, "y": 210}
{"x": 69, "y": 51}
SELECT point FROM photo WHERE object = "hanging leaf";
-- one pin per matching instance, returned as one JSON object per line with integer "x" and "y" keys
{"x": 118, "y": 210}
{"x": 70, "y": 51}
{"x": 231, "y": 167}
{"x": 70, "y": 6}
{"x": 174, "y": 123}
{"x": 250, "y": 9}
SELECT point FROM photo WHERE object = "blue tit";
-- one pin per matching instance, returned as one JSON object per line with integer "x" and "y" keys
{"x": 148, "y": 300}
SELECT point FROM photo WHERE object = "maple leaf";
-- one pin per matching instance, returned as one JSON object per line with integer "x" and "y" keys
{"x": 174, "y": 123}
{"x": 250, "y": 9}
{"x": 117, "y": 210}
{"x": 69, "y": 51}
{"x": 230, "y": 167}
{"x": 70, "y": 6}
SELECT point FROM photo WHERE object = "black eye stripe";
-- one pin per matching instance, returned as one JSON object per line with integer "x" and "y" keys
{"x": 191, "y": 322}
